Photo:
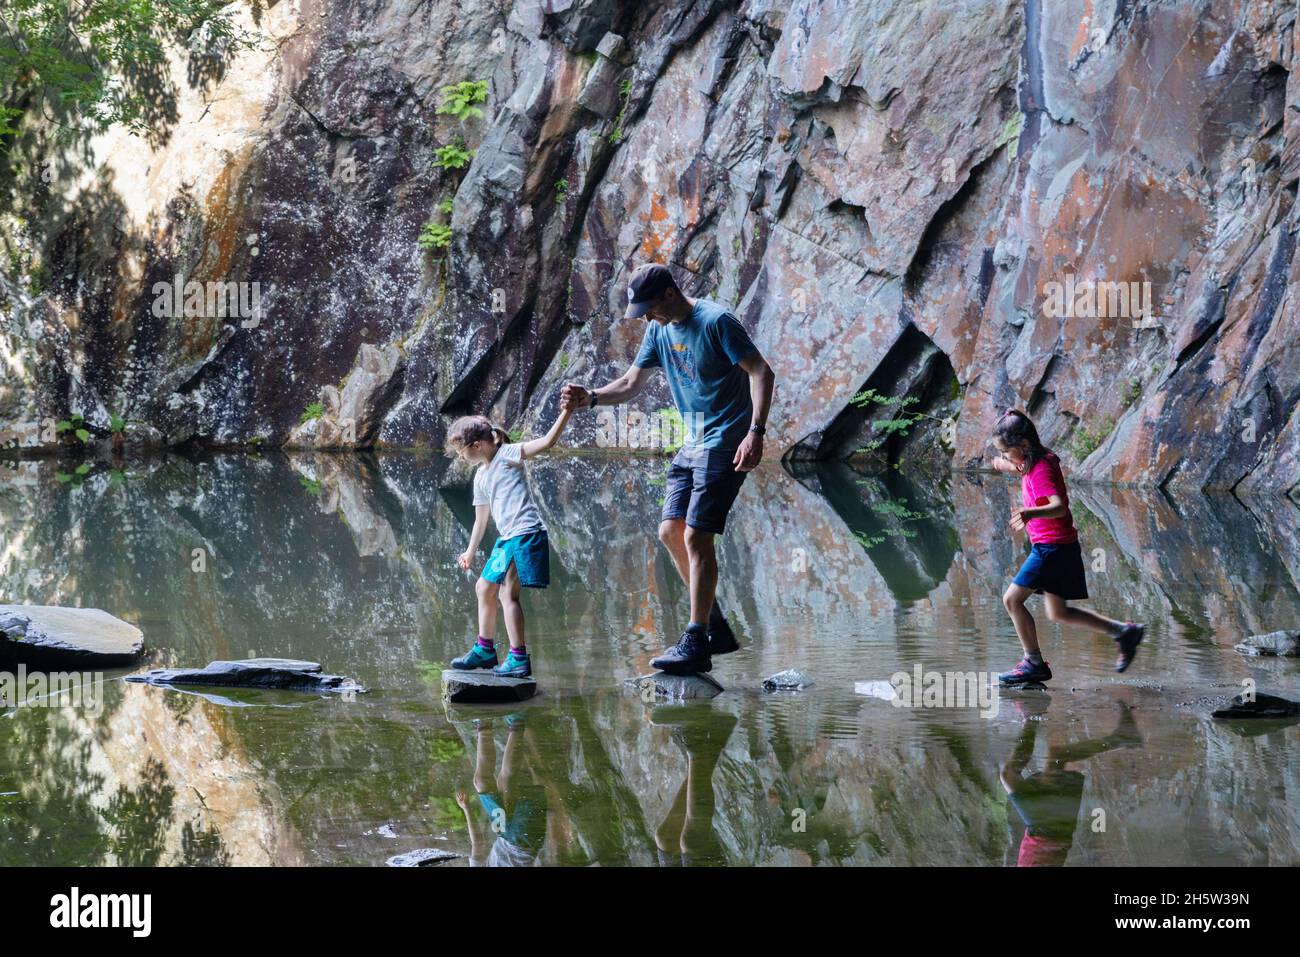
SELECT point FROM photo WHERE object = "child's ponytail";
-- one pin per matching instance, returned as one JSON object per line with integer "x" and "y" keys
{"x": 1015, "y": 430}
{"x": 469, "y": 429}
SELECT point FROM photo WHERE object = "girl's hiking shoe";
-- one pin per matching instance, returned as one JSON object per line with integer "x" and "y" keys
{"x": 688, "y": 657}
{"x": 476, "y": 657}
{"x": 515, "y": 666}
{"x": 722, "y": 640}
{"x": 1026, "y": 672}
{"x": 1128, "y": 641}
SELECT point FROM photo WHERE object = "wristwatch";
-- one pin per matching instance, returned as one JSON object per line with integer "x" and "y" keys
{"x": 758, "y": 429}
{"x": 592, "y": 393}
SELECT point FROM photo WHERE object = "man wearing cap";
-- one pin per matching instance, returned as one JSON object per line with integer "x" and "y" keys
{"x": 722, "y": 388}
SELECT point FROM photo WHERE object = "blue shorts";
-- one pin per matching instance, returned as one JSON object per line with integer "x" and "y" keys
{"x": 1055, "y": 569}
{"x": 530, "y": 553}
{"x": 702, "y": 485}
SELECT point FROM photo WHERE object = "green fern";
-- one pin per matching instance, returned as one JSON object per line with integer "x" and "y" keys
{"x": 460, "y": 99}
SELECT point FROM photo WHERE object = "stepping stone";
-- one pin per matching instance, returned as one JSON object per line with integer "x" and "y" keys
{"x": 1263, "y": 706}
{"x": 483, "y": 687}
{"x": 661, "y": 686}
{"x": 284, "y": 674}
{"x": 875, "y": 689}
{"x": 789, "y": 680}
{"x": 51, "y": 635}
{"x": 423, "y": 857}
{"x": 1281, "y": 644}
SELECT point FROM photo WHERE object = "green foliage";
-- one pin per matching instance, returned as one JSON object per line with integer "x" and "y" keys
{"x": 102, "y": 63}
{"x": 452, "y": 156}
{"x": 310, "y": 486}
{"x": 79, "y": 473}
{"x": 900, "y": 517}
{"x": 75, "y": 425}
{"x": 671, "y": 423}
{"x": 434, "y": 236}
{"x": 445, "y": 205}
{"x": 1086, "y": 440}
{"x": 460, "y": 99}
{"x": 904, "y": 416}
{"x": 314, "y": 410}
{"x": 1009, "y": 135}
{"x": 515, "y": 435}
{"x": 116, "y": 424}
{"x": 1133, "y": 392}
{"x": 564, "y": 362}
{"x": 561, "y": 189}
{"x": 446, "y": 750}
{"x": 625, "y": 93}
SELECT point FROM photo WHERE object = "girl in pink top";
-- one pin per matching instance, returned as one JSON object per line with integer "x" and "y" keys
{"x": 1054, "y": 567}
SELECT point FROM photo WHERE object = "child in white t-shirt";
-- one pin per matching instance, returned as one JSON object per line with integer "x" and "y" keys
{"x": 521, "y": 556}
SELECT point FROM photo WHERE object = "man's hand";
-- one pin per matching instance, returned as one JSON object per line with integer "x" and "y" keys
{"x": 749, "y": 454}
{"x": 574, "y": 396}
{"x": 1017, "y": 519}
{"x": 464, "y": 559}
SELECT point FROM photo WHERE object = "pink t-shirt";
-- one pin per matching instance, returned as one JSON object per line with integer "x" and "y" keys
{"x": 1036, "y": 487}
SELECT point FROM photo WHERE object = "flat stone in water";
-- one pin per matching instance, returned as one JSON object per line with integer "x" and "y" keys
{"x": 789, "y": 680}
{"x": 423, "y": 857}
{"x": 483, "y": 687}
{"x": 50, "y": 634}
{"x": 1282, "y": 644}
{"x": 1258, "y": 706}
{"x": 285, "y": 674}
{"x": 675, "y": 687}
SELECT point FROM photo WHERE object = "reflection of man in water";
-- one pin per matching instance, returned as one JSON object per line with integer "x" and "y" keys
{"x": 1047, "y": 802}
{"x": 687, "y": 830}
{"x": 515, "y": 811}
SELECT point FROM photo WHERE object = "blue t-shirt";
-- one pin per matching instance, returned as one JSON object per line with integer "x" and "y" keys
{"x": 700, "y": 358}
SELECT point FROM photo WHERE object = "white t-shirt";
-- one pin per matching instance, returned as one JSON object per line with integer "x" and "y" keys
{"x": 500, "y": 485}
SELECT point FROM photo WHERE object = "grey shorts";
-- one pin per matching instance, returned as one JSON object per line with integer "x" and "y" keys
{"x": 702, "y": 486}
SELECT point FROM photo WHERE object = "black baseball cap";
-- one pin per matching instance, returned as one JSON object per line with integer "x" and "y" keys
{"x": 647, "y": 285}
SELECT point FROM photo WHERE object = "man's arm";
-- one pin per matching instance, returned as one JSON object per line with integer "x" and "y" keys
{"x": 626, "y": 386}
{"x": 762, "y": 382}
{"x": 538, "y": 446}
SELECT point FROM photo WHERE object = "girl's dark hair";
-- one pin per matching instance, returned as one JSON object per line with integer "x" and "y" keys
{"x": 1014, "y": 430}
{"x": 469, "y": 429}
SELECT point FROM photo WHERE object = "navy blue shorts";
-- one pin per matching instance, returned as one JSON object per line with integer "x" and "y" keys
{"x": 1055, "y": 569}
{"x": 702, "y": 485}
{"x": 530, "y": 553}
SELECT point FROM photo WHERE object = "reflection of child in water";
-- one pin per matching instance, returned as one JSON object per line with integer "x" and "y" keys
{"x": 1048, "y": 801}
{"x": 515, "y": 811}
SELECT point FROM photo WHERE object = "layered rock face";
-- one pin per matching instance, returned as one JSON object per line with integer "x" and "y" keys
{"x": 1082, "y": 208}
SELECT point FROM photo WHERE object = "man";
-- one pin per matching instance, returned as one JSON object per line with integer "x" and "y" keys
{"x": 722, "y": 388}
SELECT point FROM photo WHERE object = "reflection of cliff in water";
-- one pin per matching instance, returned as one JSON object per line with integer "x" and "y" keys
{"x": 350, "y": 560}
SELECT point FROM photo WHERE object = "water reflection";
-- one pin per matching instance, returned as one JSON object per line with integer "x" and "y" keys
{"x": 350, "y": 561}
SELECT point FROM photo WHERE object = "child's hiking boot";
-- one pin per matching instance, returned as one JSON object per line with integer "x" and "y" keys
{"x": 515, "y": 666}
{"x": 476, "y": 657}
{"x": 688, "y": 657}
{"x": 1128, "y": 640}
{"x": 1026, "y": 672}
{"x": 722, "y": 640}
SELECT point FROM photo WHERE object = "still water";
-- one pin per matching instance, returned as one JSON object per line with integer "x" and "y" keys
{"x": 350, "y": 561}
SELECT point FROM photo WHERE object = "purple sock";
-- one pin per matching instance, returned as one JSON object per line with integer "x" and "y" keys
{"x": 520, "y": 652}
{"x": 487, "y": 643}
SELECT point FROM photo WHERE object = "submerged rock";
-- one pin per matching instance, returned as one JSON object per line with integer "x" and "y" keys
{"x": 789, "y": 680}
{"x": 284, "y": 674}
{"x": 1259, "y": 706}
{"x": 675, "y": 687}
{"x": 1284, "y": 644}
{"x": 423, "y": 857}
{"x": 49, "y": 634}
{"x": 483, "y": 687}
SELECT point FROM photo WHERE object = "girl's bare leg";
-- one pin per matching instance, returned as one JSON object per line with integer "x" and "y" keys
{"x": 1014, "y": 600}
{"x": 487, "y": 608}
{"x": 512, "y": 609}
{"x": 1059, "y": 611}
